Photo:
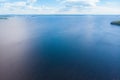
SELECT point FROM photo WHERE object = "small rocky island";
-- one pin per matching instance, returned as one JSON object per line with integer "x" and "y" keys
{"x": 115, "y": 22}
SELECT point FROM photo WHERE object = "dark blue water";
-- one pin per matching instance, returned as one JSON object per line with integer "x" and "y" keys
{"x": 60, "y": 48}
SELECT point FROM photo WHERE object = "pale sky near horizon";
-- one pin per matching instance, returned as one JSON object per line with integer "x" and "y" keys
{"x": 59, "y": 7}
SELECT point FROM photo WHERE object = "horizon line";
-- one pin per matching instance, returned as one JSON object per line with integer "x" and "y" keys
{"x": 60, "y": 14}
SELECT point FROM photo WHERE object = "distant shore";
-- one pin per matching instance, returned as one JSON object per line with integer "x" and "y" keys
{"x": 3, "y": 18}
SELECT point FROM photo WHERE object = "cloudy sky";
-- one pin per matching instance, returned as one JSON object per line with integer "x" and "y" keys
{"x": 59, "y": 7}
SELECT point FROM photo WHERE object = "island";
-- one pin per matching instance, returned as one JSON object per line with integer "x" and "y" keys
{"x": 116, "y": 22}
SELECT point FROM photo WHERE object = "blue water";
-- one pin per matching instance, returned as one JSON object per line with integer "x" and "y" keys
{"x": 54, "y": 47}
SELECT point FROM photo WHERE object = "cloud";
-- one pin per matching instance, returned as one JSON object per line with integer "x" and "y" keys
{"x": 87, "y": 7}
{"x": 62, "y": 7}
{"x": 81, "y": 2}
{"x": 14, "y": 4}
{"x": 18, "y": 4}
{"x": 32, "y": 1}
{"x": 77, "y": 6}
{"x": 25, "y": 7}
{"x": 8, "y": 7}
{"x": 105, "y": 9}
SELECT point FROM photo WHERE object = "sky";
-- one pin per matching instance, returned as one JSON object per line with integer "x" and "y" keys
{"x": 59, "y": 7}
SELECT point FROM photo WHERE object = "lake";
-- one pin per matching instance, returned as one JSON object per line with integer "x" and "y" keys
{"x": 59, "y": 47}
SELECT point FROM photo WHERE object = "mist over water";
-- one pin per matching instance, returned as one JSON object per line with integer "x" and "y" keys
{"x": 59, "y": 48}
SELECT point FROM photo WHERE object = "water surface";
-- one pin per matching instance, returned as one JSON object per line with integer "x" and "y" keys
{"x": 59, "y": 48}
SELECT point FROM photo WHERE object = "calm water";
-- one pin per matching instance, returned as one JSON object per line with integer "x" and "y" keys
{"x": 59, "y": 48}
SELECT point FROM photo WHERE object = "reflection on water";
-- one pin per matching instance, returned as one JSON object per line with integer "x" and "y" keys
{"x": 59, "y": 48}
{"x": 13, "y": 47}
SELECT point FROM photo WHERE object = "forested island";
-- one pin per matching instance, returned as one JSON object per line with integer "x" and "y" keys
{"x": 116, "y": 22}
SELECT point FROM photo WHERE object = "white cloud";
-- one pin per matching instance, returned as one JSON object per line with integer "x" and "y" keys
{"x": 76, "y": 6}
{"x": 25, "y": 7}
{"x": 84, "y": 2}
{"x": 87, "y": 7}
{"x": 15, "y": 4}
{"x": 32, "y": 1}
{"x": 105, "y": 10}
{"x": 63, "y": 7}
{"x": 18, "y": 4}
